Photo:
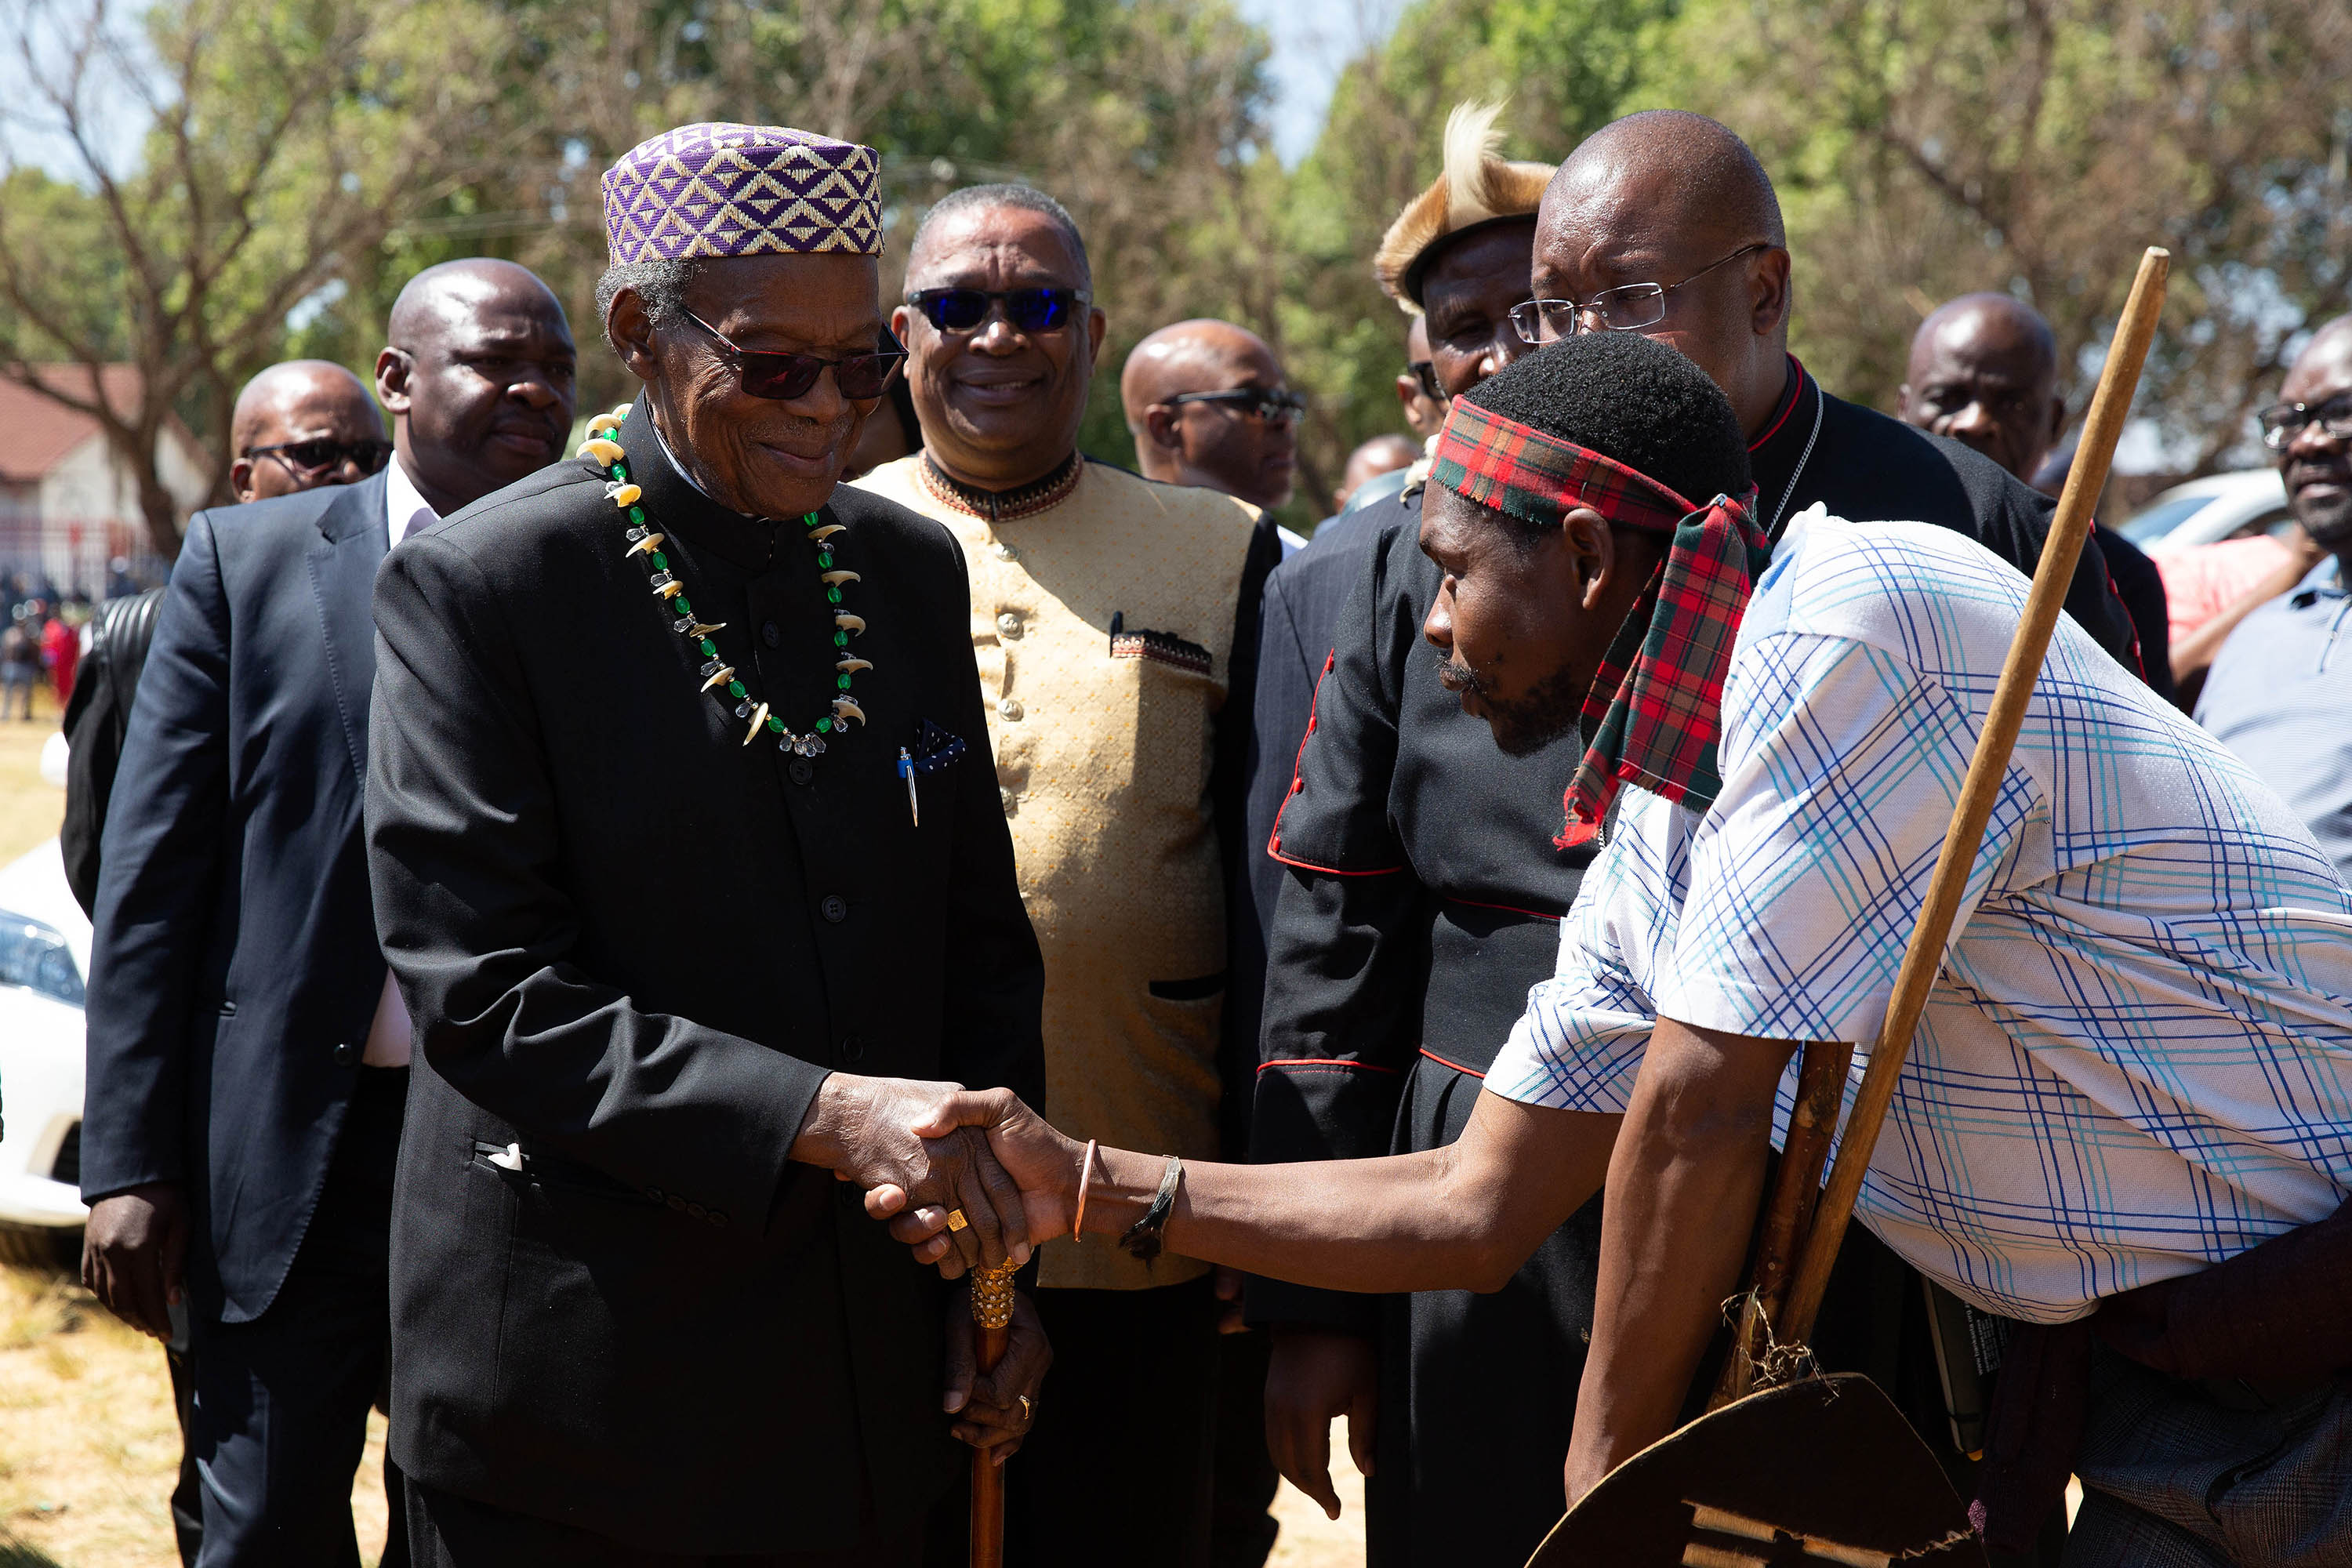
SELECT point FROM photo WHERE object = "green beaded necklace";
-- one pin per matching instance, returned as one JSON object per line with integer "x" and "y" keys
{"x": 717, "y": 675}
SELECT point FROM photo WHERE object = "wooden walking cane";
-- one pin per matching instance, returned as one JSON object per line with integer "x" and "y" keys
{"x": 1824, "y": 1470}
{"x": 991, "y": 1309}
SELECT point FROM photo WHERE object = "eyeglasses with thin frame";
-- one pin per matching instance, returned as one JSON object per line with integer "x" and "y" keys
{"x": 1279, "y": 406}
{"x": 1026, "y": 309}
{"x": 1425, "y": 371}
{"x": 2283, "y": 422}
{"x": 780, "y": 377}
{"x": 1627, "y": 309}
{"x": 308, "y": 459}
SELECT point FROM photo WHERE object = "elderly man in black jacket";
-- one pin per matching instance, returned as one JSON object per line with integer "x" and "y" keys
{"x": 681, "y": 816}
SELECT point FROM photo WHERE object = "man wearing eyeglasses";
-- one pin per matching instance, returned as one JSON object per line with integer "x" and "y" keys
{"x": 247, "y": 1054}
{"x": 2280, "y": 689}
{"x": 1115, "y": 622}
{"x": 1423, "y": 878}
{"x": 1206, "y": 404}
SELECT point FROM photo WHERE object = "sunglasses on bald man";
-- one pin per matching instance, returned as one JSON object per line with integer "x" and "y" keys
{"x": 783, "y": 378}
{"x": 1279, "y": 405}
{"x": 308, "y": 459}
{"x": 1027, "y": 310}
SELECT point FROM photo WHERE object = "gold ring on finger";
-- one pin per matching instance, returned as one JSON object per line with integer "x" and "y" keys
{"x": 956, "y": 1220}
{"x": 1028, "y": 1410}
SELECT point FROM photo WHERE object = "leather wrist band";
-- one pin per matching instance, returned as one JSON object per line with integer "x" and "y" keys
{"x": 1142, "y": 1238}
{"x": 1085, "y": 1178}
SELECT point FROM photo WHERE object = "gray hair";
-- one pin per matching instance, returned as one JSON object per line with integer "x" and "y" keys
{"x": 1025, "y": 198}
{"x": 660, "y": 286}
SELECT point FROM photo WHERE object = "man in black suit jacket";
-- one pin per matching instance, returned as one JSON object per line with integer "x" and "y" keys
{"x": 246, "y": 1060}
{"x": 297, "y": 426}
{"x": 681, "y": 815}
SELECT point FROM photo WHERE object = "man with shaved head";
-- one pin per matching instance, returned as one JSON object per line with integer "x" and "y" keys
{"x": 1385, "y": 454}
{"x": 1207, "y": 406}
{"x": 1424, "y": 876}
{"x": 296, "y": 426}
{"x": 1984, "y": 372}
{"x": 248, "y": 1055}
{"x": 303, "y": 423}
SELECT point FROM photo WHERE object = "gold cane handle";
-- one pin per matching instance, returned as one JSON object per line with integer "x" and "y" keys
{"x": 991, "y": 1310}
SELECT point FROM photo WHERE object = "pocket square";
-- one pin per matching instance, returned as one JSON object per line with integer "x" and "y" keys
{"x": 1164, "y": 647}
{"x": 934, "y": 749}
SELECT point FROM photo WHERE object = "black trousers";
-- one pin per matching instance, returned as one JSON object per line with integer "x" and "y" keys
{"x": 1242, "y": 1530}
{"x": 1117, "y": 1466}
{"x": 445, "y": 1531}
{"x": 279, "y": 1419}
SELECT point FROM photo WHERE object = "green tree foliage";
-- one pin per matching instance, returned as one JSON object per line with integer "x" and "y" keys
{"x": 1925, "y": 148}
{"x": 281, "y": 139}
{"x": 1565, "y": 66}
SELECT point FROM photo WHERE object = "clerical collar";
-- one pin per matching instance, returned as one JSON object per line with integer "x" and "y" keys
{"x": 1003, "y": 506}
{"x": 1776, "y": 457}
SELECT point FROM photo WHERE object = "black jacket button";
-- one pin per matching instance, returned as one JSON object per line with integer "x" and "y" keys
{"x": 772, "y": 634}
{"x": 347, "y": 1056}
{"x": 835, "y": 908}
{"x": 800, "y": 770}
{"x": 852, "y": 1049}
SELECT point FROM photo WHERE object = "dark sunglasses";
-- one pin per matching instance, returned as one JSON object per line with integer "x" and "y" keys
{"x": 1425, "y": 371}
{"x": 1028, "y": 309}
{"x": 1277, "y": 407}
{"x": 308, "y": 459}
{"x": 783, "y": 376}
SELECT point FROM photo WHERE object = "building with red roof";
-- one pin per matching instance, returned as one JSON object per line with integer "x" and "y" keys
{"x": 69, "y": 505}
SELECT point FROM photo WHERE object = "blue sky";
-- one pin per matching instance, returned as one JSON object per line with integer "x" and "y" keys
{"x": 1313, "y": 40}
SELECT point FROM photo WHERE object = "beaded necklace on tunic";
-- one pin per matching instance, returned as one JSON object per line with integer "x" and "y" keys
{"x": 719, "y": 677}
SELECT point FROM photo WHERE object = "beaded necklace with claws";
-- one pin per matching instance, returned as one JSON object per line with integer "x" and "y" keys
{"x": 719, "y": 677}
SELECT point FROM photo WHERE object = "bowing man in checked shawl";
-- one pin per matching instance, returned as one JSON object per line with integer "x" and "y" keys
{"x": 2135, "y": 1071}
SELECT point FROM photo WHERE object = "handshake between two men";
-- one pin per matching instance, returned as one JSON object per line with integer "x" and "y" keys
{"x": 972, "y": 1178}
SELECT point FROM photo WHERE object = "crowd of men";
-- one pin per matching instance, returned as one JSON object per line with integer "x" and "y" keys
{"x": 549, "y": 906}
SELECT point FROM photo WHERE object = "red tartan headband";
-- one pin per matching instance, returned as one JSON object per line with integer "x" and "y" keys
{"x": 1655, "y": 709}
{"x": 1518, "y": 469}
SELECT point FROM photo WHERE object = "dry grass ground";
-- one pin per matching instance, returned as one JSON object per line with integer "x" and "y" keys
{"x": 88, "y": 1449}
{"x": 30, "y": 810}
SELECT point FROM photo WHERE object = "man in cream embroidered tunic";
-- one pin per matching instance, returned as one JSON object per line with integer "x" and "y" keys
{"x": 1113, "y": 620}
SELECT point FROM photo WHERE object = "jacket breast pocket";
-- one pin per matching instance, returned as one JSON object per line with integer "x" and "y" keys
{"x": 1175, "y": 696}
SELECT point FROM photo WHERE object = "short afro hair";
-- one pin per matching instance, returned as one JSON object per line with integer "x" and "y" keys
{"x": 1632, "y": 398}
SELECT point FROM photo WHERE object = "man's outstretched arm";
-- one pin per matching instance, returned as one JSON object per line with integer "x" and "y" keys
{"x": 1684, "y": 1184}
{"x": 1461, "y": 1217}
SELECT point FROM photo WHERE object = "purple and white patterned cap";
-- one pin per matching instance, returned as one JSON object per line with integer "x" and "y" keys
{"x": 741, "y": 190}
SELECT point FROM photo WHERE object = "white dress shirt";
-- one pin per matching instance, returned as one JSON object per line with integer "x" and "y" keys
{"x": 388, "y": 1037}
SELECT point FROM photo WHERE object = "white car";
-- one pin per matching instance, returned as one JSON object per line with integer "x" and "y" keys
{"x": 43, "y": 957}
{"x": 2210, "y": 509}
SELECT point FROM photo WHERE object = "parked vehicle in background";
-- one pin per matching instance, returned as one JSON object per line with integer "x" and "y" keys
{"x": 2208, "y": 511}
{"x": 44, "y": 958}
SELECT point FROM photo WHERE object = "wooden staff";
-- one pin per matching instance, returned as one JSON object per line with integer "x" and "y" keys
{"x": 991, "y": 1309}
{"x": 1923, "y": 958}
